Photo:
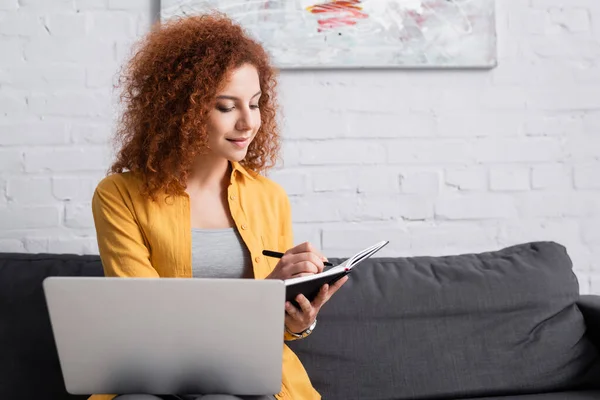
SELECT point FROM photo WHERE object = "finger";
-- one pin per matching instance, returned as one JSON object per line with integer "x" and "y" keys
{"x": 337, "y": 285}
{"x": 302, "y": 267}
{"x": 292, "y": 311}
{"x": 304, "y": 304}
{"x": 305, "y": 247}
{"x": 320, "y": 264}
{"x": 322, "y": 297}
{"x": 309, "y": 257}
{"x": 313, "y": 250}
{"x": 304, "y": 256}
{"x": 330, "y": 292}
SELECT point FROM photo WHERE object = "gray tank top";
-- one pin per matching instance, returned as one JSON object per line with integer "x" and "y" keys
{"x": 220, "y": 253}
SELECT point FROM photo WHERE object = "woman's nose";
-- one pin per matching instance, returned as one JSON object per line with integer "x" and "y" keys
{"x": 245, "y": 122}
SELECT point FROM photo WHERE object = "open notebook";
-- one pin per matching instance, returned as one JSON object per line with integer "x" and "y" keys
{"x": 310, "y": 285}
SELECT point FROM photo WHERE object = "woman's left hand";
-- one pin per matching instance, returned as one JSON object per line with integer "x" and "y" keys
{"x": 298, "y": 320}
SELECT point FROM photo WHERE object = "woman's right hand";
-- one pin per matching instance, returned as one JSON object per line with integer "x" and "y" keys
{"x": 298, "y": 261}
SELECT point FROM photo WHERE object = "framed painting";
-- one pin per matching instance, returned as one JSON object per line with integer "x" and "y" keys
{"x": 362, "y": 33}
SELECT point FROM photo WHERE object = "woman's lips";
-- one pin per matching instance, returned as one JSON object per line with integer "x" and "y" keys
{"x": 241, "y": 142}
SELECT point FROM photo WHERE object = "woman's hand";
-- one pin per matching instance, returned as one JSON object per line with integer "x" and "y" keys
{"x": 298, "y": 320}
{"x": 301, "y": 260}
{"x": 298, "y": 261}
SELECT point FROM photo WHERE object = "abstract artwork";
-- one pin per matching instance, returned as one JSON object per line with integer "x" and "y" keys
{"x": 362, "y": 34}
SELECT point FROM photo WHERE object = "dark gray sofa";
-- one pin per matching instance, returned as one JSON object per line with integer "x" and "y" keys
{"x": 508, "y": 324}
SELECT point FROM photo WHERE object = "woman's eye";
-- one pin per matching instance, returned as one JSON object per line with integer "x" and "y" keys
{"x": 228, "y": 109}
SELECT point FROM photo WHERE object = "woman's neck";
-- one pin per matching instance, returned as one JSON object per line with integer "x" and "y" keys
{"x": 209, "y": 174}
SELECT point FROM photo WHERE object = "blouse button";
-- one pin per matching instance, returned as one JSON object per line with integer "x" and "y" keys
{"x": 244, "y": 226}
{"x": 232, "y": 197}
{"x": 257, "y": 259}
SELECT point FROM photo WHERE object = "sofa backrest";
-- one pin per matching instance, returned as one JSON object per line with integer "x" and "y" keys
{"x": 486, "y": 324}
{"x": 29, "y": 366}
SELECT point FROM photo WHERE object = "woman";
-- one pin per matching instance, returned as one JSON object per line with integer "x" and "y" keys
{"x": 185, "y": 197}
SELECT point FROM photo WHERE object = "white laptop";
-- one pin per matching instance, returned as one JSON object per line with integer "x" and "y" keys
{"x": 167, "y": 335}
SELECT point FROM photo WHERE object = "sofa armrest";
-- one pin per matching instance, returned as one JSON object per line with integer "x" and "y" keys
{"x": 590, "y": 308}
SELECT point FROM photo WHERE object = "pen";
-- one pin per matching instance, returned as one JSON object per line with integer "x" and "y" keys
{"x": 276, "y": 254}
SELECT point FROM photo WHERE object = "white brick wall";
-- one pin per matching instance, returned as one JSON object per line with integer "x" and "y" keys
{"x": 438, "y": 162}
{"x": 58, "y": 63}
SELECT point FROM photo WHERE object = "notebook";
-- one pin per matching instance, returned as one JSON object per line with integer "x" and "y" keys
{"x": 310, "y": 285}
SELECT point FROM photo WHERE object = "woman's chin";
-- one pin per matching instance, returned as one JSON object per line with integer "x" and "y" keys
{"x": 237, "y": 156}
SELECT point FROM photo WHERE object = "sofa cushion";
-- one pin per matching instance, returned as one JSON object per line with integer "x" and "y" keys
{"x": 590, "y": 308}
{"x": 581, "y": 395}
{"x": 29, "y": 364}
{"x": 452, "y": 327}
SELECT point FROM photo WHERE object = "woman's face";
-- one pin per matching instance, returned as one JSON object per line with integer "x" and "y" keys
{"x": 233, "y": 123}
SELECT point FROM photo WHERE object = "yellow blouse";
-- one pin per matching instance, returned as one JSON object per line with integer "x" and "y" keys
{"x": 138, "y": 237}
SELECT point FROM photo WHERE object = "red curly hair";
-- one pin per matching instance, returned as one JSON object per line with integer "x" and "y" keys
{"x": 169, "y": 87}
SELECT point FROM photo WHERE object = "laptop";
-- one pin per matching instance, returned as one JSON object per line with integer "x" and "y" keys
{"x": 168, "y": 335}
